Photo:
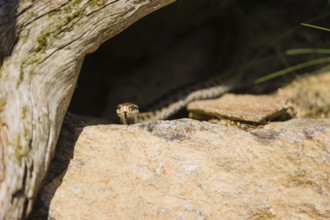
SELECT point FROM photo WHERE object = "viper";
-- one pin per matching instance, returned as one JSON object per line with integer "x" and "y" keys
{"x": 128, "y": 113}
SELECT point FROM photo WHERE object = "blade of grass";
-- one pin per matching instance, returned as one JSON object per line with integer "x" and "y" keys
{"x": 289, "y": 32}
{"x": 307, "y": 51}
{"x": 315, "y": 26}
{"x": 292, "y": 69}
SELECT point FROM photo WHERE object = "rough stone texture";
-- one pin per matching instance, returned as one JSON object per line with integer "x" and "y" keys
{"x": 186, "y": 169}
{"x": 248, "y": 108}
{"x": 309, "y": 95}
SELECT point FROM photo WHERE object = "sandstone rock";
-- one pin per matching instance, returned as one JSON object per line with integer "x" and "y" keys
{"x": 246, "y": 108}
{"x": 186, "y": 169}
{"x": 309, "y": 95}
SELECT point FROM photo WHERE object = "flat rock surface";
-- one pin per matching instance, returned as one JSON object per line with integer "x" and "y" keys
{"x": 186, "y": 169}
{"x": 248, "y": 108}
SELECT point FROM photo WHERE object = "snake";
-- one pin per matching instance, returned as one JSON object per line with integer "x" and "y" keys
{"x": 174, "y": 101}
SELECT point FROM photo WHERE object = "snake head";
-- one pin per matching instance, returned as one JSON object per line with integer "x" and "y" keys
{"x": 127, "y": 113}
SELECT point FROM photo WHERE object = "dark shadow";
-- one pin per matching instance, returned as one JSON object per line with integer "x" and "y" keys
{"x": 250, "y": 39}
{"x": 8, "y": 21}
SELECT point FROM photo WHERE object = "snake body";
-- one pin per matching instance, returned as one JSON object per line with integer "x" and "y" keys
{"x": 128, "y": 113}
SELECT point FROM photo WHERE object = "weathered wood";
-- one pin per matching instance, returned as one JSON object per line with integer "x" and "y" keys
{"x": 42, "y": 47}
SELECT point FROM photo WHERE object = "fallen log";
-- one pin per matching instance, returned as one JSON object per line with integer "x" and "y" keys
{"x": 42, "y": 47}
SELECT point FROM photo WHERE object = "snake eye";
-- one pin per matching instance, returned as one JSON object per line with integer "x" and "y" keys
{"x": 119, "y": 107}
{"x": 135, "y": 108}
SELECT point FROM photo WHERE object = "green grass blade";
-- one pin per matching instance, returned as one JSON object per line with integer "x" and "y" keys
{"x": 315, "y": 26}
{"x": 292, "y": 69}
{"x": 299, "y": 51}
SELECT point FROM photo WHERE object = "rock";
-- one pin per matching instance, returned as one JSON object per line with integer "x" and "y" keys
{"x": 254, "y": 109}
{"x": 186, "y": 169}
{"x": 309, "y": 95}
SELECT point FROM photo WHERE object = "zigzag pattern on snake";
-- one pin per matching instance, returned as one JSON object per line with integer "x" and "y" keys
{"x": 128, "y": 113}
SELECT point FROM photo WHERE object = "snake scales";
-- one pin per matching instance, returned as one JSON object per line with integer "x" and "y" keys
{"x": 128, "y": 113}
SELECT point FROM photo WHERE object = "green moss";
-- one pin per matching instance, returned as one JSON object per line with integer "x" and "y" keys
{"x": 25, "y": 109}
{"x": 28, "y": 61}
{"x": 21, "y": 77}
{"x": 3, "y": 103}
{"x": 63, "y": 20}
{"x": 26, "y": 134}
{"x": 20, "y": 151}
{"x": 42, "y": 41}
{"x": 97, "y": 3}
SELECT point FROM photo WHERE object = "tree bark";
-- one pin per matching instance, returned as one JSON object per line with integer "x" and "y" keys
{"x": 42, "y": 47}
